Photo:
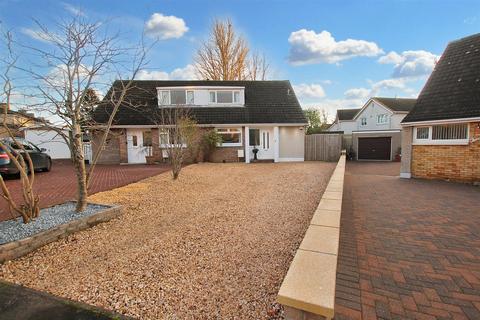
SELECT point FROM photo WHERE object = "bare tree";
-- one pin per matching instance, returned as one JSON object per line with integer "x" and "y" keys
{"x": 79, "y": 56}
{"x": 226, "y": 56}
{"x": 21, "y": 159}
{"x": 180, "y": 133}
{"x": 257, "y": 68}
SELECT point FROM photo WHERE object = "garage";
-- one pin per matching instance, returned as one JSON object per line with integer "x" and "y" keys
{"x": 375, "y": 148}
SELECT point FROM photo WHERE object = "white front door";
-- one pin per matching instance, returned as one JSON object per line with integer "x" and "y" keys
{"x": 263, "y": 141}
{"x": 135, "y": 149}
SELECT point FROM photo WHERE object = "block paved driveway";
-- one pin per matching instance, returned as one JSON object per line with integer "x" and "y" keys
{"x": 59, "y": 184}
{"x": 409, "y": 249}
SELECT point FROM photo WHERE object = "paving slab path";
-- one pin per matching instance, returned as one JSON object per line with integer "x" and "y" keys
{"x": 409, "y": 249}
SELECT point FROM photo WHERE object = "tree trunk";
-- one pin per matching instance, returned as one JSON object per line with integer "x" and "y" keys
{"x": 81, "y": 172}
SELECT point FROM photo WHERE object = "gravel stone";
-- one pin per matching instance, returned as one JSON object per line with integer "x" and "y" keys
{"x": 15, "y": 229}
{"x": 216, "y": 243}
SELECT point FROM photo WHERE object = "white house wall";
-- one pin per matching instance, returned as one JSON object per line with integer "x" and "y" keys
{"x": 51, "y": 141}
{"x": 370, "y": 113}
{"x": 292, "y": 144}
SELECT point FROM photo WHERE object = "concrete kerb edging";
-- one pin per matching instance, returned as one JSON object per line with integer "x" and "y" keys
{"x": 308, "y": 289}
{"x": 19, "y": 248}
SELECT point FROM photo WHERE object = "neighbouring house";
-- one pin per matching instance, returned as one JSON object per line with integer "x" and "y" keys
{"x": 441, "y": 135}
{"x": 48, "y": 139}
{"x": 373, "y": 132}
{"x": 17, "y": 121}
{"x": 247, "y": 114}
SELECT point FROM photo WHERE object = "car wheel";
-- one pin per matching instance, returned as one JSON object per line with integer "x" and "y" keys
{"x": 49, "y": 166}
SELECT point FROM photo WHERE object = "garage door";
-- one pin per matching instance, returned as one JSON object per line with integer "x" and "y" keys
{"x": 378, "y": 148}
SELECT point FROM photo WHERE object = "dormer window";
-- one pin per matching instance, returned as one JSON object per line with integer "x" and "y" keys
{"x": 176, "y": 97}
{"x": 224, "y": 97}
{"x": 197, "y": 97}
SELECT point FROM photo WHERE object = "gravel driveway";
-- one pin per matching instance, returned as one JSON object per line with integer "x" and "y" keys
{"x": 214, "y": 244}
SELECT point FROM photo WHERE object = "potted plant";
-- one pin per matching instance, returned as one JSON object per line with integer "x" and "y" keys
{"x": 398, "y": 155}
{"x": 255, "y": 151}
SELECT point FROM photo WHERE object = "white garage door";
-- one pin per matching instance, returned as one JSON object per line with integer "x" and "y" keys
{"x": 50, "y": 140}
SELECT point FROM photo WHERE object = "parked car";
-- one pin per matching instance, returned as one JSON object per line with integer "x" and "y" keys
{"x": 41, "y": 160}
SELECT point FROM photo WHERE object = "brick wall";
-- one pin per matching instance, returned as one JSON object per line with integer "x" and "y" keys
{"x": 454, "y": 162}
{"x": 225, "y": 154}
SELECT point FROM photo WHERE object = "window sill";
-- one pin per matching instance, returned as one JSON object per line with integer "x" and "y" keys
{"x": 441, "y": 143}
{"x": 229, "y": 145}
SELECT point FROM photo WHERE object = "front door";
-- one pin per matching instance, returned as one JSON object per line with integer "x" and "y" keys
{"x": 135, "y": 149}
{"x": 262, "y": 139}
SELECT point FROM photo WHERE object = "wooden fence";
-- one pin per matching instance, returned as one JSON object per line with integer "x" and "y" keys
{"x": 323, "y": 147}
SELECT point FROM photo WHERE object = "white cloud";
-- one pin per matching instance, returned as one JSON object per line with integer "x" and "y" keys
{"x": 307, "y": 47}
{"x": 186, "y": 73}
{"x": 152, "y": 75}
{"x": 37, "y": 34}
{"x": 165, "y": 27}
{"x": 357, "y": 93}
{"x": 73, "y": 10}
{"x": 412, "y": 63}
{"x": 309, "y": 91}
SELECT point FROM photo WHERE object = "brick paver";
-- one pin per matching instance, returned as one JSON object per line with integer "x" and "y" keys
{"x": 409, "y": 249}
{"x": 59, "y": 185}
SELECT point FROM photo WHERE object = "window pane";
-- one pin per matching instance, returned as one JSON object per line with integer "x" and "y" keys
{"x": 254, "y": 137}
{"x": 190, "y": 97}
{"x": 164, "y": 97}
{"x": 134, "y": 141}
{"x": 232, "y": 137}
{"x": 224, "y": 96}
{"x": 163, "y": 137}
{"x": 236, "y": 97}
{"x": 422, "y": 133}
{"x": 450, "y": 132}
{"x": 212, "y": 97}
{"x": 147, "y": 138}
{"x": 177, "y": 97}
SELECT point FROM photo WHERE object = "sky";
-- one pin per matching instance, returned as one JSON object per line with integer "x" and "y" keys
{"x": 336, "y": 54}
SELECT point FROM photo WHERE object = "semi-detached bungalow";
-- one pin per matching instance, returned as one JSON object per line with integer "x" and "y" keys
{"x": 441, "y": 135}
{"x": 247, "y": 114}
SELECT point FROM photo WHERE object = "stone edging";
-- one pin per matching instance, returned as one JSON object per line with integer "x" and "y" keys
{"x": 19, "y": 248}
{"x": 308, "y": 289}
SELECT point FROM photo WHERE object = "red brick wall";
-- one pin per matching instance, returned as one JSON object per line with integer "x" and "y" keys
{"x": 458, "y": 163}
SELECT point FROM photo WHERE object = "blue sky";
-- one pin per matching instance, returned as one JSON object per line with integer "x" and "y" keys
{"x": 392, "y": 48}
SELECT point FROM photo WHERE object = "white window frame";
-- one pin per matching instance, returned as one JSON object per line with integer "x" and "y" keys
{"x": 430, "y": 141}
{"x": 166, "y": 145}
{"x": 361, "y": 121}
{"x": 160, "y": 96}
{"x": 233, "y": 130}
{"x": 169, "y": 102}
{"x": 224, "y": 103}
{"x": 382, "y": 116}
{"x": 186, "y": 97}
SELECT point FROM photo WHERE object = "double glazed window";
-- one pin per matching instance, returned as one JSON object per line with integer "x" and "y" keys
{"x": 230, "y": 136}
{"x": 176, "y": 97}
{"x": 224, "y": 97}
{"x": 382, "y": 118}
{"x": 442, "y": 134}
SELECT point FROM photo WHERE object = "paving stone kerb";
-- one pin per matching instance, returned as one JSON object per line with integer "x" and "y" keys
{"x": 308, "y": 289}
{"x": 19, "y": 248}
